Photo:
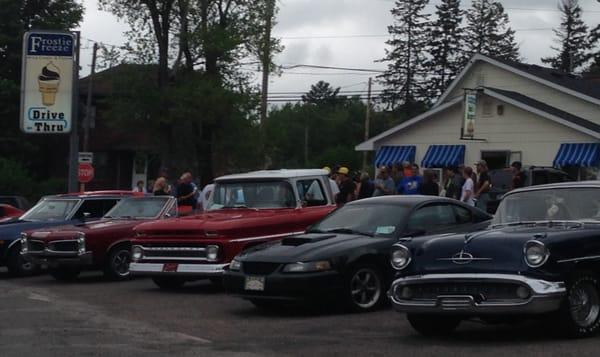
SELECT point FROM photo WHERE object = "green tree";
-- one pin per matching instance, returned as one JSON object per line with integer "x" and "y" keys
{"x": 445, "y": 46}
{"x": 572, "y": 39}
{"x": 404, "y": 78}
{"x": 321, "y": 93}
{"x": 488, "y": 32}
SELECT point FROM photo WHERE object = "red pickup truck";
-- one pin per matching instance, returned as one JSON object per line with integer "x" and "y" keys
{"x": 244, "y": 210}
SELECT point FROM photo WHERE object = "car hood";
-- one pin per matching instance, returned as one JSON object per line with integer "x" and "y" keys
{"x": 494, "y": 250}
{"x": 12, "y": 231}
{"x": 218, "y": 220}
{"x": 315, "y": 246}
{"x": 89, "y": 228}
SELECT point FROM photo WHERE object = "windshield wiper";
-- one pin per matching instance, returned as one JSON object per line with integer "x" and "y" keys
{"x": 516, "y": 223}
{"x": 348, "y": 231}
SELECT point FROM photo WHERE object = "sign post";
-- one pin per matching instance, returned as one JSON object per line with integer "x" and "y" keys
{"x": 468, "y": 130}
{"x": 85, "y": 173}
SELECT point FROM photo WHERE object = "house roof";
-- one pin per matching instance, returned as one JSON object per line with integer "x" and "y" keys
{"x": 574, "y": 85}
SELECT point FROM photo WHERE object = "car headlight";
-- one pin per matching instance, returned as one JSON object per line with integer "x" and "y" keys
{"x": 536, "y": 253}
{"x": 235, "y": 265}
{"x": 306, "y": 267}
{"x": 401, "y": 257}
{"x": 212, "y": 253}
{"x": 137, "y": 253}
{"x": 24, "y": 247}
{"x": 81, "y": 242}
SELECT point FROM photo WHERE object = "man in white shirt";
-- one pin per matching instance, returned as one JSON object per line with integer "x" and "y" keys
{"x": 334, "y": 186}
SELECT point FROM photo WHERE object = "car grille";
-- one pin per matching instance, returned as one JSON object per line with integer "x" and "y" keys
{"x": 174, "y": 252}
{"x": 488, "y": 291}
{"x": 35, "y": 245}
{"x": 259, "y": 268}
{"x": 64, "y": 246}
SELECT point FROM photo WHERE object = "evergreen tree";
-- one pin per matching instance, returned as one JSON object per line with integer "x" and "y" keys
{"x": 488, "y": 32}
{"x": 594, "y": 50}
{"x": 571, "y": 37}
{"x": 445, "y": 46}
{"x": 404, "y": 78}
{"x": 321, "y": 93}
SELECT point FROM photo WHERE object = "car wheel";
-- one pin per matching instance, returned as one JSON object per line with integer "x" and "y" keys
{"x": 167, "y": 283}
{"x": 580, "y": 313}
{"x": 364, "y": 288}
{"x": 117, "y": 264}
{"x": 65, "y": 274}
{"x": 433, "y": 325}
{"x": 19, "y": 266}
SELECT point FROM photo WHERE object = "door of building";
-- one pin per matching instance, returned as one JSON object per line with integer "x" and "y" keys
{"x": 496, "y": 159}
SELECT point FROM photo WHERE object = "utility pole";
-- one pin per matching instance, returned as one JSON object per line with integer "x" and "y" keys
{"x": 74, "y": 136}
{"x": 266, "y": 61}
{"x": 88, "y": 108}
{"x": 367, "y": 121}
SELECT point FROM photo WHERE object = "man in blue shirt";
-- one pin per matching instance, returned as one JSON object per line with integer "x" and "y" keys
{"x": 411, "y": 185}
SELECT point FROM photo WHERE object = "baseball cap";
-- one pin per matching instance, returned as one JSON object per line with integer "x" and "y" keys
{"x": 327, "y": 168}
{"x": 343, "y": 170}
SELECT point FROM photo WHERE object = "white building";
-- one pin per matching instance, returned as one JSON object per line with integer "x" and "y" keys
{"x": 523, "y": 112}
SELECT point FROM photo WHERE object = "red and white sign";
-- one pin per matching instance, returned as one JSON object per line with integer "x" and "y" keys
{"x": 85, "y": 172}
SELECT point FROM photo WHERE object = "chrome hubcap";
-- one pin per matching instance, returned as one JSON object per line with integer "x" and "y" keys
{"x": 584, "y": 304}
{"x": 365, "y": 288}
{"x": 120, "y": 262}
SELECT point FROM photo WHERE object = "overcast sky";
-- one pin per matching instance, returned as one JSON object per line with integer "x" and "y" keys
{"x": 313, "y": 31}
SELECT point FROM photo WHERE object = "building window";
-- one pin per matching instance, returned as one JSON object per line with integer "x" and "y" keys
{"x": 496, "y": 159}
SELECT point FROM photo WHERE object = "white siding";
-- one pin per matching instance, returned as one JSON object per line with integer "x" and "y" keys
{"x": 516, "y": 130}
{"x": 488, "y": 75}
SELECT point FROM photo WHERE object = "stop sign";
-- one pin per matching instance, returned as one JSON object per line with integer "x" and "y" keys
{"x": 85, "y": 172}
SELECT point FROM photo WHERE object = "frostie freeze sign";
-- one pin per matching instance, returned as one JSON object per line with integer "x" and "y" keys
{"x": 47, "y": 82}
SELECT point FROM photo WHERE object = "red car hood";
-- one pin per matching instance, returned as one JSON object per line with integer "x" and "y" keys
{"x": 91, "y": 228}
{"x": 221, "y": 220}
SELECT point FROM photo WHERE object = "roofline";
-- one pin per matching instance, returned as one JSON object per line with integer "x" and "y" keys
{"x": 480, "y": 57}
{"x": 369, "y": 145}
{"x": 559, "y": 120}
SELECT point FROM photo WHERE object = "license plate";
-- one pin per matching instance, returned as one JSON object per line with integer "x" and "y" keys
{"x": 170, "y": 267}
{"x": 255, "y": 283}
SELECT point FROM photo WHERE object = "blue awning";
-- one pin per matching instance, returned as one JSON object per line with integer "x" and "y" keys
{"x": 444, "y": 156}
{"x": 389, "y": 155}
{"x": 585, "y": 155}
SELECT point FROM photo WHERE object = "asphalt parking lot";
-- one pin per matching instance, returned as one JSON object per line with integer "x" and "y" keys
{"x": 94, "y": 317}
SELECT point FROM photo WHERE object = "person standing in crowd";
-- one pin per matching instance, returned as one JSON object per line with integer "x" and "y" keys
{"x": 430, "y": 186}
{"x": 397, "y": 173}
{"x": 140, "y": 187}
{"x": 451, "y": 186}
{"x": 366, "y": 186}
{"x": 335, "y": 189}
{"x": 466, "y": 195}
{"x": 186, "y": 191}
{"x": 347, "y": 187}
{"x": 484, "y": 184}
{"x": 411, "y": 185}
{"x": 518, "y": 179}
{"x": 384, "y": 184}
{"x": 161, "y": 187}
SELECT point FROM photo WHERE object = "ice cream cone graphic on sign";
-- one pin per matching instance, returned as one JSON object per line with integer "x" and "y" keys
{"x": 48, "y": 82}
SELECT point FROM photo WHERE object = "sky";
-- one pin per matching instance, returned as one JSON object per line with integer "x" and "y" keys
{"x": 349, "y": 33}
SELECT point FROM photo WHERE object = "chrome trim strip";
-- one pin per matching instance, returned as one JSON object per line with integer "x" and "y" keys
{"x": 463, "y": 259}
{"x": 196, "y": 259}
{"x": 266, "y": 237}
{"x": 591, "y": 257}
{"x": 191, "y": 269}
{"x": 542, "y": 287}
{"x": 172, "y": 249}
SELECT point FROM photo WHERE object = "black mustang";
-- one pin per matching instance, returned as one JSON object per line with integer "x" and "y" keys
{"x": 345, "y": 255}
{"x": 541, "y": 255}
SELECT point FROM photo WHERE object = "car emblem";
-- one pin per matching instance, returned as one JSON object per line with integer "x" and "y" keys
{"x": 462, "y": 257}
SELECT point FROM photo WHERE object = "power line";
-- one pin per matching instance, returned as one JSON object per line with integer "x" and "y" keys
{"x": 334, "y": 68}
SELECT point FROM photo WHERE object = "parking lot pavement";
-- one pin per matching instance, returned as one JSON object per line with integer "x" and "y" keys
{"x": 93, "y": 317}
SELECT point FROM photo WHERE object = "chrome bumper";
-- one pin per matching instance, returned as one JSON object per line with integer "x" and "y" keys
{"x": 545, "y": 296}
{"x": 182, "y": 269}
{"x": 52, "y": 257}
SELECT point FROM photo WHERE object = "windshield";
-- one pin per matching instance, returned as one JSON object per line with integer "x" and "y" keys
{"x": 250, "y": 194}
{"x": 370, "y": 219}
{"x": 548, "y": 205}
{"x": 50, "y": 210}
{"x": 147, "y": 207}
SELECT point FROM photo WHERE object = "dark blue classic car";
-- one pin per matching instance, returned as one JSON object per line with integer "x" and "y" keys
{"x": 345, "y": 257}
{"x": 540, "y": 256}
{"x": 51, "y": 211}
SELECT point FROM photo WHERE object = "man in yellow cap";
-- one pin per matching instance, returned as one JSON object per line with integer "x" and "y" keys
{"x": 347, "y": 187}
{"x": 334, "y": 186}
